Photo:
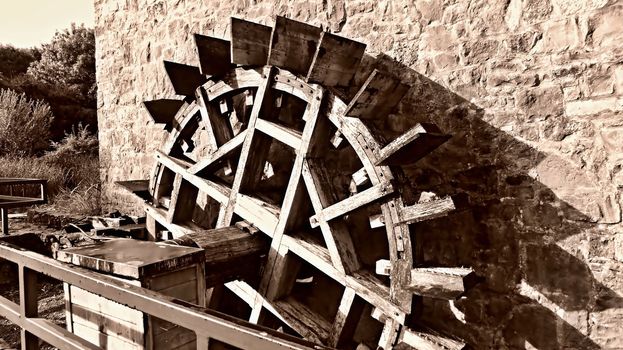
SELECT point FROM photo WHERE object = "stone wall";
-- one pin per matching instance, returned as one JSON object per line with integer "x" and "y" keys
{"x": 532, "y": 91}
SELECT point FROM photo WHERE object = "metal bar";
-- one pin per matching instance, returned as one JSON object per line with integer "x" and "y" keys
{"x": 202, "y": 321}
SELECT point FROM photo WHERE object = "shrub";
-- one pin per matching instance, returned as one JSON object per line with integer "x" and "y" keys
{"x": 76, "y": 154}
{"x": 24, "y": 124}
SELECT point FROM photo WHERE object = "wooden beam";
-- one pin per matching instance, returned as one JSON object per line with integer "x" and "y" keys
{"x": 293, "y": 45}
{"x": 336, "y": 60}
{"x": 411, "y": 146}
{"x": 303, "y": 320}
{"x": 441, "y": 282}
{"x": 214, "y": 55}
{"x": 427, "y": 210}
{"x": 224, "y": 151}
{"x": 183, "y": 200}
{"x": 378, "y": 96}
{"x": 428, "y": 341}
{"x": 336, "y": 235}
{"x": 250, "y": 42}
{"x": 249, "y": 169}
{"x": 345, "y": 323}
{"x": 230, "y": 253}
{"x": 351, "y": 203}
{"x": 281, "y": 133}
{"x": 184, "y": 78}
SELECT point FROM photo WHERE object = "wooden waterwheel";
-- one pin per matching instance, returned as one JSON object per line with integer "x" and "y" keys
{"x": 267, "y": 161}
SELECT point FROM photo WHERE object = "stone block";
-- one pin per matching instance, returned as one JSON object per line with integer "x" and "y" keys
{"x": 540, "y": 101}
{"x": 606, "y": 26}
{"x": 561, "y": 35}
{"x": 593, "y": 106}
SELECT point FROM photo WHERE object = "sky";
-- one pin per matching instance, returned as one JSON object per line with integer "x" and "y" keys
{"x": 28, "y": 23}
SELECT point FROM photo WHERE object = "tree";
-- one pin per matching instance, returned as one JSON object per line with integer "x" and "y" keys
{"x": 24, "y": 124}
{"x": 15, "y": 61}
{"x": 67, "y": 64}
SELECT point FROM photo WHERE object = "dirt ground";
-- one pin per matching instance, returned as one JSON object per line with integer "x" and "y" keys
{"x": 51, "y": 301}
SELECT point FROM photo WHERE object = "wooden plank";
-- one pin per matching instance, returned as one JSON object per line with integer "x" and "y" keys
{"x": 293, "y": 45}
{"x": 214, "y": 55}
{"x": 28, "y": 293}
{"x": 107, "y": 325}
{"x": 351, "y": 203}
{"x": 336, "y": 60}
{"x": 223, "y": 151}
{"x": 427, "y": 210}
{"x": 383, "y": 267}
{"x": 378, "y": 96}
{"x": 441, "y": 282}
{"x": 183, "y": 200}
{"x": 99, "y": 339}
{"x": 281, "y": 133}
{"x": 345, "y": 323}
{"x": 166, "y": 280}
{"x": 218, "y": 192}
{"x": 360, "y": 177}
{"x": 428, "y": 340}
{"x": 250, "y": 42}
{"x": 303, "y": 320}
{"x": 336, "y": 235}
{"x": 184, "y": 78}
{"x": 163, "y": 111}
{"x": 411, "y": 146}
{"x": 186, "y": 291}
{"x": 108, "y": 308}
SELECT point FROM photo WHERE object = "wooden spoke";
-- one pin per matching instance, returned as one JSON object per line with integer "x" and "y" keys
{"x": 335, "y": 233}
{"x": 348, "y": 314}
{"x": 225, "y": 150}
{"x": 184, "y": 78}
{"x": 281, "y": 133}
{"x": 412, "y": 145}
{"x": 351, "y": 203}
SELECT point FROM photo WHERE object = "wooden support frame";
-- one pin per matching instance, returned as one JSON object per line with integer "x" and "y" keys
{"x": 200, "y": 320}
{"x": 13, "y": 201}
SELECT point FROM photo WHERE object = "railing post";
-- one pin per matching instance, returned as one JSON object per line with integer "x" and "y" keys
{"x": 202, "y": 342}
{"x": 28, "y": 291}
{"x": 4, "y": 214}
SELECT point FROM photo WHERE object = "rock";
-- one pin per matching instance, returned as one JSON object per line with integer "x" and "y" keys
{"x": 540, "y": 101}
{"x": 561, "y": 35}
{"x": 606, "y": 26}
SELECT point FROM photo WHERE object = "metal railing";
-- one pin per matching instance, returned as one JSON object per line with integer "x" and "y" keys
{"x": 207, "y": 324}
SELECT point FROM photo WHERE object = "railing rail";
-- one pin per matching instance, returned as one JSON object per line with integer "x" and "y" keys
{"x": 13, "y": 201}
{"x": 205, "y": 323}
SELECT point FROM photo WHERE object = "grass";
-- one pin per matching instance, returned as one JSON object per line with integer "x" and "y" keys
{"x": 73, "y": 181}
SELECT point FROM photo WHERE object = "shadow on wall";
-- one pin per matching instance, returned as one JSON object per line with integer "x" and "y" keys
{"x": 534, "y": 291}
